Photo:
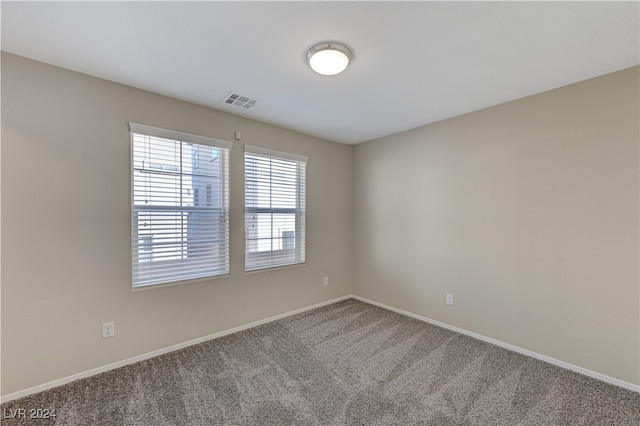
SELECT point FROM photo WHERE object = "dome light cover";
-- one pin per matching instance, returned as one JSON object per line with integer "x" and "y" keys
{"x": 329, "y": 58}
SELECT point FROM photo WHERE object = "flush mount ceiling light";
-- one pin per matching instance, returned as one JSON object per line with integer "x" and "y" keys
{"x": 329, "y": 58}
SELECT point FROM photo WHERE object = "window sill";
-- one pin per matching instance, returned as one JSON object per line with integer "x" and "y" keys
{"x": 271, "y": 268}
{"x": 175, "y": 283}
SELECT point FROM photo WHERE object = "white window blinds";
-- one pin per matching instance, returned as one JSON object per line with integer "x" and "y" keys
{"x": 274, "y": 208}
{"x": 180, "y": 206}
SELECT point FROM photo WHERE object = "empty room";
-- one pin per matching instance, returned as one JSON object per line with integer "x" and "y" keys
{"x": 320, "y": 213}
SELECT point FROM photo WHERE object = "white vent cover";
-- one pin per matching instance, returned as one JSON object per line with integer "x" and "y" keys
{"x": 240, "y": 101}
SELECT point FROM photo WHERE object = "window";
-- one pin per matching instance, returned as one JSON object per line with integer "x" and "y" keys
{"x": 274, "y": 208}
{"x": 175, "y": 238}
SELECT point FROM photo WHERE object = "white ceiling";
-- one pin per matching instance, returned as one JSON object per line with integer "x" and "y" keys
{"x": 415, "y": 62}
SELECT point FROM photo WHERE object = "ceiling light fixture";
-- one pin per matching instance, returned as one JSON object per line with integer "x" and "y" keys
{"x": 329, "y": 58}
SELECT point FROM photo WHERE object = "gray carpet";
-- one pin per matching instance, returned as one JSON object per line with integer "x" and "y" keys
{"x": 348, "y": 363}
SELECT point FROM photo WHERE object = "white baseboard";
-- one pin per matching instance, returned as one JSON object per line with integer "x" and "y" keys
{"x": 94, "y": 371}
{"x": 556, "y": 362}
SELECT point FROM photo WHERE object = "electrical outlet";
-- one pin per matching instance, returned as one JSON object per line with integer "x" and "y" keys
{"x": 326, "y": 281}
{"x": 108, "y": 329}
{"x": 449, "y": 299}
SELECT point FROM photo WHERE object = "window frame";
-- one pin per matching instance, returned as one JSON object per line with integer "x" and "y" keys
{"x": 221, "y": 224}
{"x": 299, "y": 255}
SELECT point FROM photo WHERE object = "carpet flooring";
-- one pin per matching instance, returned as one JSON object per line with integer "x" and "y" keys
{"x": 349, "y": 363}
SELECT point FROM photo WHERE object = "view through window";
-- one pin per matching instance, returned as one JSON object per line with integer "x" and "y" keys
{"x": 180, "y": 200}
{"x": 274, "y": 208}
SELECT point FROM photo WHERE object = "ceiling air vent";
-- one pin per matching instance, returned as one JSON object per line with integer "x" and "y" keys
{"x": 240, "y": 101}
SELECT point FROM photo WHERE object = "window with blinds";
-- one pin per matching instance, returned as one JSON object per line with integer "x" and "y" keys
{"x": 180, "y": 206}
{"x": 274, "y": 208}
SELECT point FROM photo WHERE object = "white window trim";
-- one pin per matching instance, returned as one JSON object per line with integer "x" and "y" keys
{"x": 272, "y": 153}
{"x": 174, "y": 134}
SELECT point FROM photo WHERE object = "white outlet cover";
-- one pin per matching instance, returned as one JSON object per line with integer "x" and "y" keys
{"x": 449, "y": 299}
{"x": 108, "y": 329}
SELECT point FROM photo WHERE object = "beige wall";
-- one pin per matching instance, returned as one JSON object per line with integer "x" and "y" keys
{"x": 527, "y": 212}
{"x": 66, "y": 256}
